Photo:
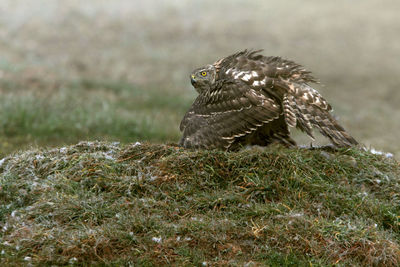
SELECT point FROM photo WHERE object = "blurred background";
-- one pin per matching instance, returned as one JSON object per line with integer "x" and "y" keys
{"x": 118, "y": 70}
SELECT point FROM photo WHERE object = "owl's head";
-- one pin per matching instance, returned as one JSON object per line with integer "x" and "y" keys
{"x": 203, "y": 78}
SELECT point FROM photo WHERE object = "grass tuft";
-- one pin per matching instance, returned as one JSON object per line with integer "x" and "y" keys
{"x": 147, "y": 204}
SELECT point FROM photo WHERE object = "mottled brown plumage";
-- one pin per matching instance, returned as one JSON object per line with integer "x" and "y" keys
{"x": 249, "y": 99}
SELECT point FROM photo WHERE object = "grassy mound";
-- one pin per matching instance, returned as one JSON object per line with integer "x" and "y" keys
{"x": 99, "y": 202}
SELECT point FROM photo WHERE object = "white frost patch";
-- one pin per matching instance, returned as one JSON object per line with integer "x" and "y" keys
{"x": 72, "y": 260}
{"x": 290, "y": 215}
{"x": 28, "y": 258}
{"x": 363, "y": 195}
{"x": 240, "y": 205}
{"x": 108, "y": 156}
{"x": 63, "y": 150}
{"x": 350, "y": 226}
{"x": 137, "y": 144}
{"x": 39, "y": 157}
{"x": 13, "y": 213}
{"x": 146, "y": 176}
{"x": 204, "y": 263}
{"x": 197, "y": 219}
{"x": 377, "y": 152}
{"x": 157, "y": 239}
{"x": 2, "y": 161}
{"x": 88, "y": 143}
{"x": 347, "y": 224}
{"x": 153, "y": 178}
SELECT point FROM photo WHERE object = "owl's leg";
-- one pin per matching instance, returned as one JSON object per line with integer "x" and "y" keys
{"x": 285, "y": 140}
{"x": 279, "y": 133}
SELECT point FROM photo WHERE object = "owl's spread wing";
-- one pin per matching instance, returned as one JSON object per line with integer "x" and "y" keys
{"x": 252, "y": 67}
{"x": 252, "y": 90}
{"x": 231, "y": 110}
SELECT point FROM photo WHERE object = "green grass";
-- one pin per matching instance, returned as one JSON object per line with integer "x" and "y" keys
{"x": 87, "y": 110}
{"x": 105, "y": 203}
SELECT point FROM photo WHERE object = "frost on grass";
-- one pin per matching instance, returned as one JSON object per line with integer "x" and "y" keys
{"x": 157, "y": 239}
{"x": 2, "y": 161}
{"x": 381, "y": 153}
{"x": 106, "y": 203}
{"x": 50, "y": 182}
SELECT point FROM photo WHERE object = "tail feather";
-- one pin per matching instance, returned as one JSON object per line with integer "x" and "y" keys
{"x": 305, "y": 108}
{"x": 330, "y": 128}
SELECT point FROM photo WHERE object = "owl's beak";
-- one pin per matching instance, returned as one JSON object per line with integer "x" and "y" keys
{"x": 193, "y": 79}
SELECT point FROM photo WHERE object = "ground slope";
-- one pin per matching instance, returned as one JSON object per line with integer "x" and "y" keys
{"x": 147, "y": 204}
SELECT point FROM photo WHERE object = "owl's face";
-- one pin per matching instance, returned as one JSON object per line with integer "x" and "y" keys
{"x": 203, "y": 78}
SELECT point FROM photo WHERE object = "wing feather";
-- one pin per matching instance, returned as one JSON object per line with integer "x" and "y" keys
{"x": 216, "y": 122}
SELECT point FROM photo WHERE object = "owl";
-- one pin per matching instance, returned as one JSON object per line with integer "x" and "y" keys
{"x": 250, "y": 99}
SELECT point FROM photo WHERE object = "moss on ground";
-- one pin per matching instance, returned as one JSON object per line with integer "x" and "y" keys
{"x": 102, "y": 202}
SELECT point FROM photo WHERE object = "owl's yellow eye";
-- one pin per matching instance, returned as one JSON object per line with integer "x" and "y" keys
{"x": 203, "y": 73}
